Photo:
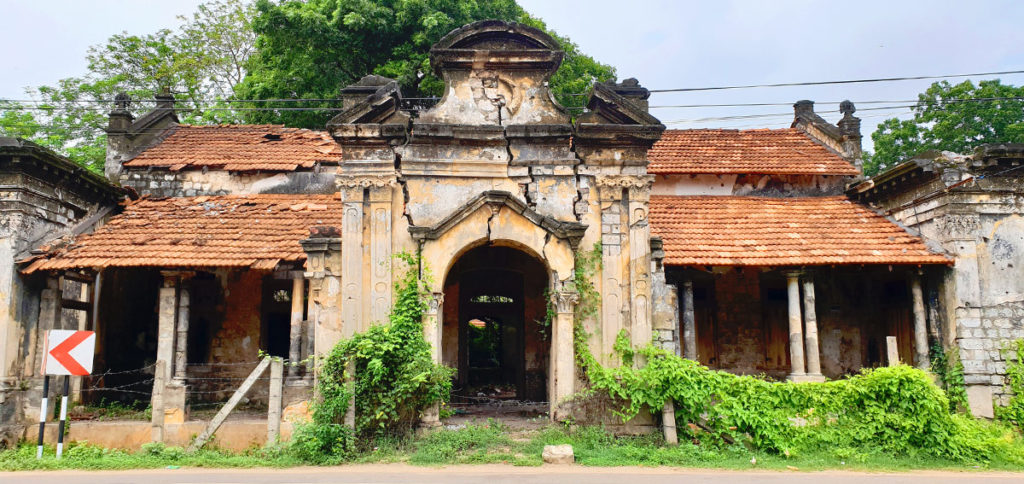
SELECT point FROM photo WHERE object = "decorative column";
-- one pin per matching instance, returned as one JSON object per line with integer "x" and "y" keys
{"x": 639, "y": 192}
{"x": 323, "y": 260}
{"x": 811, "y": 330}
{"x": 796, "y": 337}
{"x": 563, "y": 358}
{"x": 689, "y": 322}
{"x": 295, "y": 333}
{"x": 921, "y": 359}
{"x": 49, "y": 318}
{"x": 432, "y": 334}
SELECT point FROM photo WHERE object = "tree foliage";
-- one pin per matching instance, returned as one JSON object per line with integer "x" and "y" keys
{"x": 951, "y": 117}
{"x": 312, "y": 49}
{"x": 200, "y": 62}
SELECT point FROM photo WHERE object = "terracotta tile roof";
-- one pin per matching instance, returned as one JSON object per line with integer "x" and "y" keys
{"x": 758, "y": 231}
{"x": 756, "y": 151}
{"x": 257, "y": 231}
{"x": 239, "y": 147}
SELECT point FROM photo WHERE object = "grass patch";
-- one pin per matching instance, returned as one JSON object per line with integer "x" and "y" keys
{"x": 493, "y": 443}
{"x": 82, "y": 455}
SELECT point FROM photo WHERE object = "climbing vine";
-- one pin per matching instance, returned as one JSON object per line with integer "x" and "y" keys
{"x": 395, "y": 379}
{"x": 1013, "y": 412}
{"x": 950, "y": 372}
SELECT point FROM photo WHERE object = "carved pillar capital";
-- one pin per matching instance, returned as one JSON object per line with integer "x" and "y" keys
{"x": 435, "y": 301}
{"x": 565, "y": 301}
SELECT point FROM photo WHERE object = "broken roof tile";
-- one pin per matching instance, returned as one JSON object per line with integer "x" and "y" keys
{"x": 257, "y": 231}
{"x": 761, "y": 231}
{"x": 755, "y": 151}
{"x": 239, "y": 147}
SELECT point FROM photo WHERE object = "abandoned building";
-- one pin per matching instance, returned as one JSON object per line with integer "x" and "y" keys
{"x": 740, "y": 249}
{"x": 971, "y": 207}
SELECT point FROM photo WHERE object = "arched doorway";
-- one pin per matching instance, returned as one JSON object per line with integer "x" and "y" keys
{"x": 494, "y": 330}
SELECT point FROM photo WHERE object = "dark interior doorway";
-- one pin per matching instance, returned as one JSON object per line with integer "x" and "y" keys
{"x": 495, "y": 307}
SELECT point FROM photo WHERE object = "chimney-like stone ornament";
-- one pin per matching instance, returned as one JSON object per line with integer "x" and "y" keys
{"x": 802, "y": 108}
{"x": 120, "y": 119}
{"x": 633, "y": 91}
{"x": 164, "y": 100}
{"x": 849, "y": 130}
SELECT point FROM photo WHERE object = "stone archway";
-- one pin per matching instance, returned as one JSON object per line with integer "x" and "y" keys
{"x": 499, "y": 219}
{"x": 493, "y": 327}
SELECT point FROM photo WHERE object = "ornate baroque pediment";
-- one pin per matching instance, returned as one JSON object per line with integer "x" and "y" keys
{"x": 495, "y": 200}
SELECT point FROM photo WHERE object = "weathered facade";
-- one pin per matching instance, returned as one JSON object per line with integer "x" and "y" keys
{"x": 971, "y": 207}
{"x": 241, "y": 238}
{"x": 43, "y": 197}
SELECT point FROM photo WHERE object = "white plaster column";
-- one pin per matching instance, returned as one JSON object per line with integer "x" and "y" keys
{"x": 563, "y": 354}
{"x": 432, "y": 334}
{"x": 181, "y": 338}
{"x": 811, "y": 330}
{"x": 689, "y": 322}
{"x": 641, "y": 331}
{"x": 921, "y": 359}
{"x": 379, "y": 295}
{"x": 353, "y": 302}
{"x": 166, "y": 318}
{"x": 796, "y": 337}
{"x": 295, "y": 330}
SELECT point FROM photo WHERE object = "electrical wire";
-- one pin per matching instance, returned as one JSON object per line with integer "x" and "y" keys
{"x": 845, "y": 81}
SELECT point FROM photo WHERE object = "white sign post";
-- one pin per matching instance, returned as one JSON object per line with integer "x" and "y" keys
{"x": 68, "y": 352}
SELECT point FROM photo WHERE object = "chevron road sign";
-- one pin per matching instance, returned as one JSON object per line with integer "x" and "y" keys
{"x": 69, "y": 352}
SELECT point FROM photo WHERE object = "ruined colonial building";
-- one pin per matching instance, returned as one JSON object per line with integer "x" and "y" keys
{"x": 971, "y": 207}
{"x": 740, "y": 249}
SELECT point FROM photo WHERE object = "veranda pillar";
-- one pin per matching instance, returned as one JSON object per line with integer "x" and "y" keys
{"x": 563, "y": 356}
{"x": 181, "y": 336}
{"x": 811, "y": 330}
{"x": 295, "y": 333}
{"x": 689, "y": 322}
{"x": 432, "y": 334}
{"x": 921, "y": 359}
{"x": 796, "y": 337}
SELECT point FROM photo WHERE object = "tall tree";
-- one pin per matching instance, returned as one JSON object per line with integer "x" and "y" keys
{"x": 312, "y": 49}
{"x": 952, "y": 117}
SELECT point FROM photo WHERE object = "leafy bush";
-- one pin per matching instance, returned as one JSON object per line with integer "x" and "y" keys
{"x": 898, "y": 410}
{"x": 395, "y": 379}
{"x": 1014, "y": 410}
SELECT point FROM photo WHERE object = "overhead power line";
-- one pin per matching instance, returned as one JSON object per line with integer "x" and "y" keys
{"x": 845, "y": 81}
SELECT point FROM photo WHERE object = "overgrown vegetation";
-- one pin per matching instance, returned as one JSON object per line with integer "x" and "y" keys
{"x": 895, "y": 410}
{"x": 1013, "y": 412}
{"x": 395, "y": 379}
{"x": 950, "y": 372}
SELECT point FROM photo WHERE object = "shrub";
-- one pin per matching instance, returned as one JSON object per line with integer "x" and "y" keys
{"x": 395, "y": 379}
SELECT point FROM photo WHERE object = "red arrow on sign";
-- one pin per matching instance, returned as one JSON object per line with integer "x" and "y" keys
{"x": 61, "y": 352}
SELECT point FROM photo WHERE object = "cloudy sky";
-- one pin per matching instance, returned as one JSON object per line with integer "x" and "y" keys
{"x": 665, "y": 44}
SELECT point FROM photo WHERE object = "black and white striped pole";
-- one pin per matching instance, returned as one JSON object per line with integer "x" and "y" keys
{"x": 68, "y": 352}
{"x": 63, "y": 416}
{"x": 42, "y": 415}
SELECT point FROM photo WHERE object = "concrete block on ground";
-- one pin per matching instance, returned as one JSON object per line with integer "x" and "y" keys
{"x": 558, "y": 454}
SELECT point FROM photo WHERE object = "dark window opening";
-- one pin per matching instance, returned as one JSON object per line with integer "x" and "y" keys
{"x": 276, "y": 317}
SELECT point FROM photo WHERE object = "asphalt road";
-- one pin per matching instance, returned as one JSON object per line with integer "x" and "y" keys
{"x": 496, "y": 474}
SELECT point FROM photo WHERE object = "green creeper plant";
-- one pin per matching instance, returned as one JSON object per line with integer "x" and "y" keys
{"x": 1014, "y": 410}
{"x": 395, "y": 380}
